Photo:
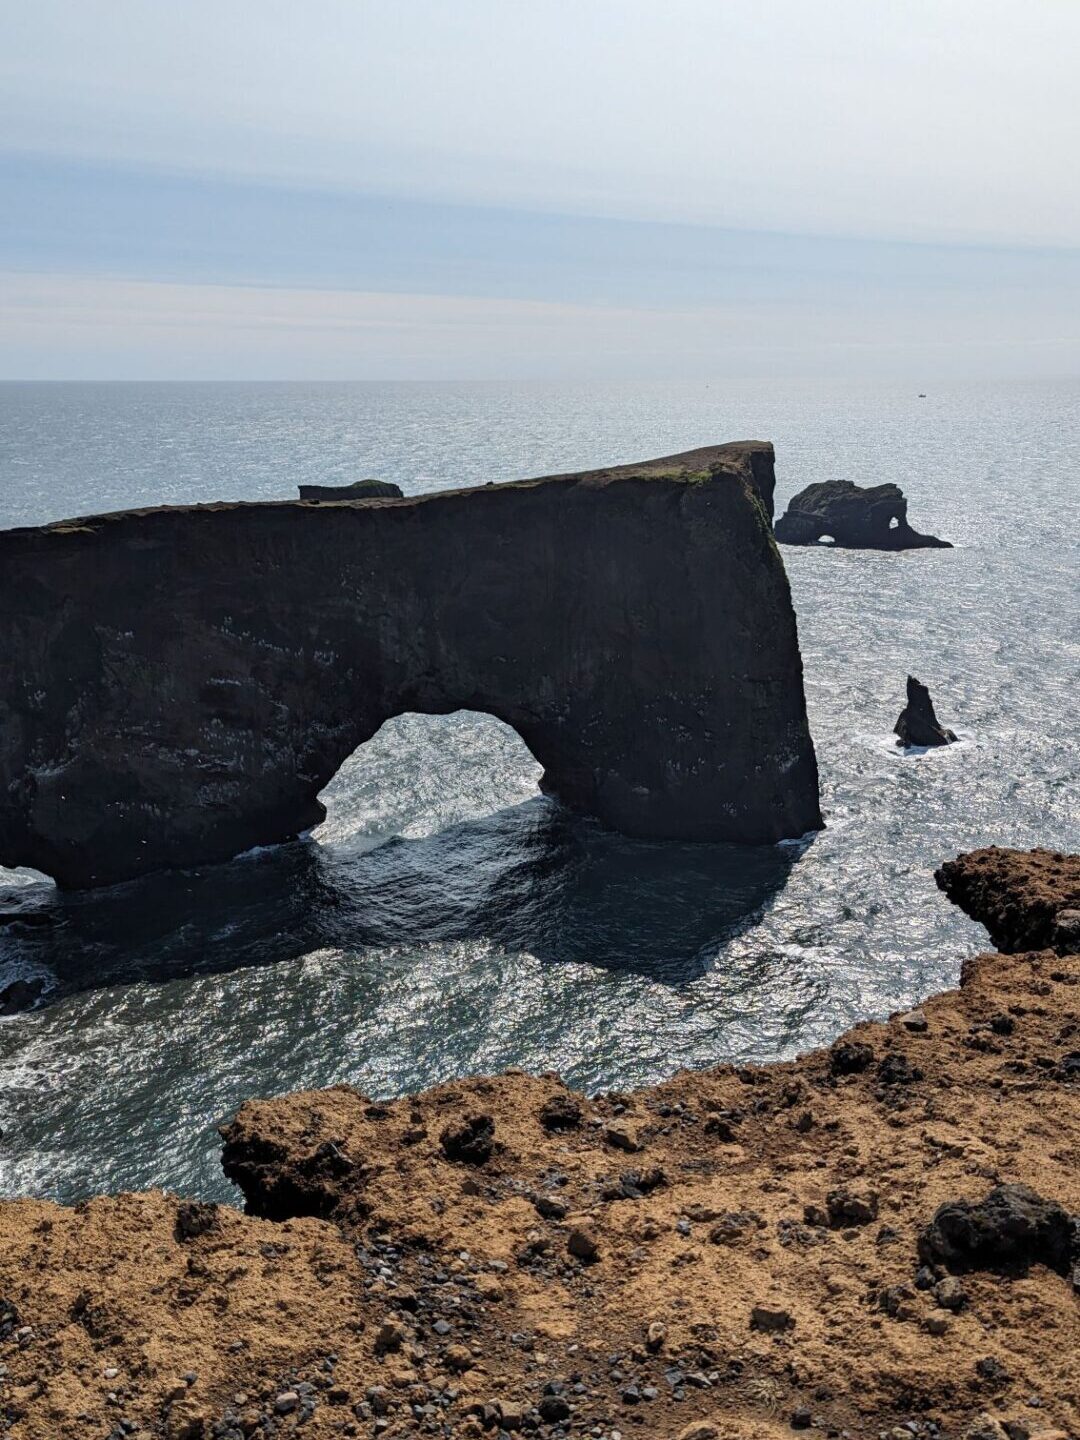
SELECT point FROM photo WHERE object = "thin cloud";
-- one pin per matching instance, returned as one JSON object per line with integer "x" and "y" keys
{"x": 150, "y": 330}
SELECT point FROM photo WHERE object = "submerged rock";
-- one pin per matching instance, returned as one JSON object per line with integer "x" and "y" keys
{"x": 917, "y": 723}
{"x": 853, "y": 518}
{"x": 634, "y": 625}
{"x": 20, "y": 995}
{"x": 358, "y": 490}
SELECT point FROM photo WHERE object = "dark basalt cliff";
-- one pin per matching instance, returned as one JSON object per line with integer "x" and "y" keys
{"x": 178, "y": 685}
{"x": 856, "y": 518}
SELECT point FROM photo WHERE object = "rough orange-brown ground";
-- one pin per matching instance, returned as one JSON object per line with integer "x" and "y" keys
{"x": 666, "y": 1266}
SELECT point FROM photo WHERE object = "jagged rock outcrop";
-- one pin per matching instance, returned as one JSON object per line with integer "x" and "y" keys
{"x": 177, "y": 685}
{"x": 358, "y": 490}
{"x": 855, "y": 518}
{"x": 1027, "y": 899}
{"x": 917, "y": 723}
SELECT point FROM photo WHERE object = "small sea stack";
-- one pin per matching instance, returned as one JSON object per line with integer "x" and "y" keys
{"x": 917, "y": 724}
{"x": 370, "y": 489}
{"x": 852, "y": 517}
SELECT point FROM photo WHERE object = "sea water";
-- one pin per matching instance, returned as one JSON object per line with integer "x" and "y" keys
{"x": 447, "y": 919}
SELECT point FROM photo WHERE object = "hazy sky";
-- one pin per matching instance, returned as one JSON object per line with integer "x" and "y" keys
{"x": 417, "y": 188}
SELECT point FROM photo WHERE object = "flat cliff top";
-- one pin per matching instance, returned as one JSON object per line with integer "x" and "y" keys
{"x": 726, "y": 1256}
{"x": 740, "y": 459}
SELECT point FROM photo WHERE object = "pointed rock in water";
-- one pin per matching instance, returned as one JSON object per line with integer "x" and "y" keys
{"x": 853, "y": 517}
{"x": 918, "y": 724}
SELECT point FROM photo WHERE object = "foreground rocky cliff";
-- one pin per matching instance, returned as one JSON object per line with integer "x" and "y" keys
{"x": 842, "y": 1245}
{"x": 178, "y": 685}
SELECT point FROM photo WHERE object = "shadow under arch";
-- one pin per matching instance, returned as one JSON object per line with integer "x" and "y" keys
{"x": 530, "y": 878}
{"x": 488, "y": 858}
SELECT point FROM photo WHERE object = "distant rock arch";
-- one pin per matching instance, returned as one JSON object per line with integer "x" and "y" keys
{"x": 852, "y": 517}
{"x": 178, "y": 685}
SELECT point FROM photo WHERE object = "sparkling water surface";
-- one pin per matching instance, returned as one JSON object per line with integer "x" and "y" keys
{"x": 447, "y": 919}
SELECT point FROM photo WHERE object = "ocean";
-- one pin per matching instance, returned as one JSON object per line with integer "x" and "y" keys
{"x": 447, "y": 919}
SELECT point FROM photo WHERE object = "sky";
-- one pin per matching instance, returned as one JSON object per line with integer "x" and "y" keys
{"x": 413, "y": 189}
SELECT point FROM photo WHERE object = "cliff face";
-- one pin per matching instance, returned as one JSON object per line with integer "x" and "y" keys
{"x": 178, "y": 685}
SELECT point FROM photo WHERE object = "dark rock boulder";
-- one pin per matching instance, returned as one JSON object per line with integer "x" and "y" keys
{"x": 177, "y": 685}
{"x": 471, "y": 1140}
{"x": 1010, "y": 1229}
{"x": 917, "y": 723}
{"x": 854, "y": 518}
{"x": 846, "y": 1208}
{"x": 561, "y": 1112}
{"x": 279, "y": 1185}
{"x": 195, "y": 1218}
{"x": 1027, "y": 899}
{"x": 358, "y": 490}
{"x": 850, "y": 1057}
{"x": 896, "y": 1069}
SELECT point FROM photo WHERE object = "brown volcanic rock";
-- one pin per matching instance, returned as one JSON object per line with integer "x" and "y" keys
{"x": 856, "y": 517}
{"x": 774, "y": 1274}
{"x": 1027, "y": 899}
{"x": 178, "y": 685}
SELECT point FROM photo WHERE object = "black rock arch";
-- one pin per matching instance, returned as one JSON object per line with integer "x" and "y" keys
{"x": 178, "y": 684}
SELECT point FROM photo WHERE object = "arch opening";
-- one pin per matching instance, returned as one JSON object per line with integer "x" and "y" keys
{"x": 826, "y": 540}
{"x": 420, "y": 773}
